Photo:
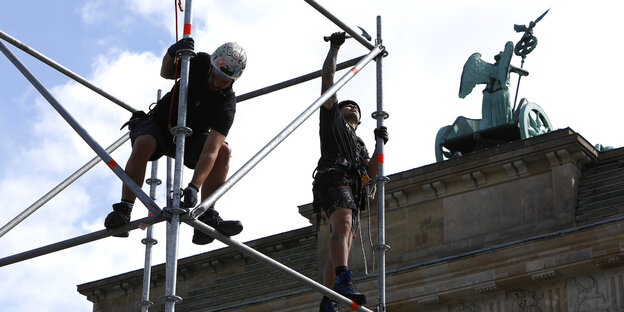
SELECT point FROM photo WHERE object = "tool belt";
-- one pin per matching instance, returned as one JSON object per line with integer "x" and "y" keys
{"x": 338, "y": 173}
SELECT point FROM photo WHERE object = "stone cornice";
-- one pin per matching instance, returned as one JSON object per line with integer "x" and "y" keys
{"x": 527, "y": 151}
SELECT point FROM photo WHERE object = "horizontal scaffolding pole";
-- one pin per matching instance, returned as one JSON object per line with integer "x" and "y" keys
{"x": 260, "y": 257}
{"x": 340, "y": 24}
{"x": 63, "y": 70}
{"x": 53, "y": 192}
{"x": 144, "y": 198}
{"x": 87, "y": 238}
{"x": 294, "y": 81}
{"x": 199, "y": 210}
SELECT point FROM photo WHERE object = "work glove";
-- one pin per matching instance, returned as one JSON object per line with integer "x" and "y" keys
{"x": 337, "y": 38}
{"x": 381, "y": 133}
{"x": 183, "y": 44}
{"x": 190, "y": 196}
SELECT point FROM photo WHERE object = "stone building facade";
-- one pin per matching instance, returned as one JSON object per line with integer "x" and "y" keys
{"x": 531, "y": 225}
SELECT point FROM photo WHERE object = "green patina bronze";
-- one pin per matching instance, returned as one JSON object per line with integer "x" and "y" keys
{"x": 500, "y": 122}
{"x": 495, "y": 108}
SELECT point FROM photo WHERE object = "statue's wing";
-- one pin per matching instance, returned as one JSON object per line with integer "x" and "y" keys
{"x": 476, "y": 71}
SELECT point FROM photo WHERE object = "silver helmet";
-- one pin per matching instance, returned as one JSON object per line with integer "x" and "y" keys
{"x": 229, "y": 60}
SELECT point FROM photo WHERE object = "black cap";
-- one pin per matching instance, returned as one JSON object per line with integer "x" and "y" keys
{"x": 345, "y": 102}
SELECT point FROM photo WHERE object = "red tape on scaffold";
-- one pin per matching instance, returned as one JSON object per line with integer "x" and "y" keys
{"x": 354, "y": 70}
{"x": 111, "y": 163}
{"x": 187, "y": 29}
{"x": 380, "y": 158}
{"x": 353, "y": 305}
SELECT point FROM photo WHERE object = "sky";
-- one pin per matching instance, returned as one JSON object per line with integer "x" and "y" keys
{"x": 574, "y": 75}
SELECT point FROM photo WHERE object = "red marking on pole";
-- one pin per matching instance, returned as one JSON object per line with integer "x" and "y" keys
{"x": 353, "y": 305}
{"x": 354, "y": 70}
{"x": 380, "y": 158}
{"x": 187, "y": 29}
{"x": 111, "y": 164}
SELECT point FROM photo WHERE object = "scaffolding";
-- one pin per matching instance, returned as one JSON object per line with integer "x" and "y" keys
{"x": 172, "y": 213}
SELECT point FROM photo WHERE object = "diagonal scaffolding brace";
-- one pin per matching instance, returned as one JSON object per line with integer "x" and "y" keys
{"x": 60, "y": 187}
{"x": 210, "y": 200}
{"x": 112, "y": 164}
{"x": 63, "y": 70}
{"x": 248, "y": 251}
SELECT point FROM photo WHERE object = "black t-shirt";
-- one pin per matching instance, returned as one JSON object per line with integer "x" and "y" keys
{"x": 338, "y": 140}
{"x": 206, "y": 109}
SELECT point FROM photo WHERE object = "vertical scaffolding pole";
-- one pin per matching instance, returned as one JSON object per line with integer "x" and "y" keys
{"x": 149, "y": 241}
{"x": 380, "y": 115}
{"x": 180, "y": 131}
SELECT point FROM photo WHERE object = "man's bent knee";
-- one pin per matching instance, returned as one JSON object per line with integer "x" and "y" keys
{"x": 225, "y": 151}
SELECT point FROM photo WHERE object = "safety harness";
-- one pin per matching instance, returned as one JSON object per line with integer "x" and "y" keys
{"x": 338, "y": 171}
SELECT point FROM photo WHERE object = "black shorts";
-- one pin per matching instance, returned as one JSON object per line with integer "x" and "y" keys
{"x": 192, "y": 147}
{"x": 333, "y": 191}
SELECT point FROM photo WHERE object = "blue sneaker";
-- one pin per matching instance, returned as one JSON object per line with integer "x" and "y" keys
{"x": 344, "y": 286}
{"x": 327, "y": 305}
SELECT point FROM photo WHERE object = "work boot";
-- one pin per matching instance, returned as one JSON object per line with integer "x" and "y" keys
{"x": 327, "y": 305}
{"x": 119, "y": 217}
{"x": 211, "y": 217}
{"x": 344, "y": 286}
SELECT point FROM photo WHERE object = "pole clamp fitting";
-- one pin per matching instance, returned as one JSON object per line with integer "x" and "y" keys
{"x": 176, "y": 299}
{"x": 177, "y": 130}
{"x": 382, "y": 247}
{"x": 383, "y": 179}
{"x": 145, "y": 303}
{"x": 184, "y": 52}
{"x": 179, "y": 211}
{"x": 376, "y": 114}
{"x": 168, "y": 213}
{"x": 149, "y": 241}
{"x": 151, "y": 181}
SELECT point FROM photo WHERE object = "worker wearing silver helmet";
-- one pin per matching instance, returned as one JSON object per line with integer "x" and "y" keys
{"x": 211, "y": 106}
